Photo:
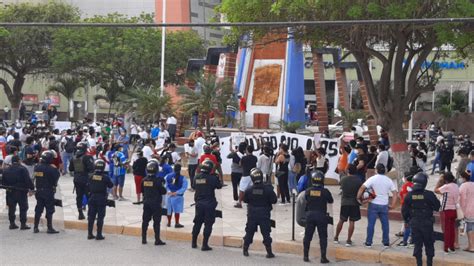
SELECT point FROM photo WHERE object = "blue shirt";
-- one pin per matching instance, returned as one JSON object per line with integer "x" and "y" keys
{"x": 165, "y": 170}
{"x": 124, "y": 141}
{"x": 154, "y": 132}
{"x": 470, "y": 167}
{"x": 302, "y": 184}
{"x": 119, "y": 169}
{"x": 352, "y": 156}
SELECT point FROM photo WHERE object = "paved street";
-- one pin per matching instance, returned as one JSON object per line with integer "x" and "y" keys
{"x": 71, "y": 247}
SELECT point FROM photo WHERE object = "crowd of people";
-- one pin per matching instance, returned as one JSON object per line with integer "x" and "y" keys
{"x": 98, "y": 156}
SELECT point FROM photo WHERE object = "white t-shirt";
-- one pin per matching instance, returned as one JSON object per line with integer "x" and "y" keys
{"x": 147, "y": 152}
{"x": 382, "y": 158}
{"x": 10, "y": 138}
{"x": 175, "y": 156}
{"x": 91, "y": 142}
{"x": 171, "y": 120}
{"x": 133, "y": 129}
{"x": 383, "y": 187}
{"x": 189, "y": 151}
{"x": 199, "y": 143}
{"x": 143, "y": 134}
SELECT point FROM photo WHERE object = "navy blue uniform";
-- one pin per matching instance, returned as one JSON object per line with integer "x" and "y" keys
{"x": 153, "y": 191}
{"x": 82, "y": 166}
{"x": 206, "y": 203}
{"x": 417, "y": 210}
{"x": 260, "y": 198}
{"x": 98, "y": 184}
{"x": 17, "y": 177}
{"x": 46, "y": 179}
{"x": 317, "y": 199}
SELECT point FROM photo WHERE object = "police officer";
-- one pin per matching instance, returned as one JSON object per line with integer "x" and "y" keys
{"x": 260, "y": 198}
{"x": 317, "y": 197}
{"x": 417, "y": 210}
{"x": 82, "y": 165}
{"x": 153, "y": 191}
{"x": 46, "y": 179}
{"x": 98, "y": 184}
{"x": 18, "y": 182}
{"x": 205, "y": 185}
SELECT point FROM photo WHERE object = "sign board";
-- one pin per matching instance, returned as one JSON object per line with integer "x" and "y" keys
{"x": 29, "y": 99}
{"x": 292, "y": 140}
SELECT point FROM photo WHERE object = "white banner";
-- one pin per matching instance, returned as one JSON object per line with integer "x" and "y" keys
{"x": 292, "y": 140}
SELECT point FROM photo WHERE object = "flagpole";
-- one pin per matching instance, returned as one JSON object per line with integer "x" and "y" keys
{"x": 163, "y": 39}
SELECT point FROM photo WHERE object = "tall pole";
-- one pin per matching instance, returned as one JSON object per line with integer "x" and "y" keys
{"x": 451, "y": 96}
{"x": 163, "y": 41}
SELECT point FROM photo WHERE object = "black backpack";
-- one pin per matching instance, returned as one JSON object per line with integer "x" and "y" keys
{"x": 389, "y": 163}
{"x": 70, "y": 145}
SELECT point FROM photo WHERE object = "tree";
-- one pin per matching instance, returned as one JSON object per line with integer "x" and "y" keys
{"x": 25, "y": 51}
{"x": 112, "y": 91}
{"x": 350, "y": 118}
{"x": 147, "y": 104}
{"x": 209, "y": 96}
{"x": 404, "y": 74}
{"x": 459, "y": 100}
{"x": 446, "y": 113}
{"x": 66, "y": 86}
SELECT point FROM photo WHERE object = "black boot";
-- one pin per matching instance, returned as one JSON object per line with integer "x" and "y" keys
{"x": 50, "y": 226}
{"x": 36, "y": 223}
{"x": 429, "y": 261}
{"x": 324, "y": 259}
{"x": 269, "y": 252}
{"x": 81, "y": 215}
{"x": 158, "y": 242}
{"x": 194, "y": 241}
{"x": 13, "y": 226}
{"x": 24, "y": 226}
{"x": 99, "y": 232}
{"x": 419, "y": 261}
{"x": 246, "y": 251}
{"x": 205, "y": 246}
{"x": 306, "y": 254}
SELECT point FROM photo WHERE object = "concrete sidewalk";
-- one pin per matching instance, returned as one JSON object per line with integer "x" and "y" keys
{"x": 126, "y": 219}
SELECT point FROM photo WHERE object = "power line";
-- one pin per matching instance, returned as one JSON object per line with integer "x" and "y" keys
{"x": 347, "y": 23}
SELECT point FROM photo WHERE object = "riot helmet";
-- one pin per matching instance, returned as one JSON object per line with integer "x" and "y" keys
{"x": 419, "y": 181}
{"x": 317, "y": 178}
{"x": 47, "y": 157}
{"x": 207, "y": 166}
{"x": 99, "y": 165}
{"x": 256, "y": 175}
{"x": 152, "y": 167}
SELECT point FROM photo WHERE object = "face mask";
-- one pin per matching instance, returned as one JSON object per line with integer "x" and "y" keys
{"x": 356, "y": 152}
{"x": 191, "y": 145}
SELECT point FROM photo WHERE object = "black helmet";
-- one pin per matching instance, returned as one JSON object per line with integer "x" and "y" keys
{"x": 99, "y": 165}
{"x": 207, "y": 149}
{"x": 256, "y": 175}
{"x": 81, "y": 148}
{"x": 317, "y": 178}
{"x": 47, "y": 157}
{"x": 419, "y": 181}
{"x": 152, "y": 167}
{"x": 207, "y": 166}
{"x": 380, "y": 169}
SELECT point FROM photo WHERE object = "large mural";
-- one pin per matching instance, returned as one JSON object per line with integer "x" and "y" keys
{"x": 266, "y": 88}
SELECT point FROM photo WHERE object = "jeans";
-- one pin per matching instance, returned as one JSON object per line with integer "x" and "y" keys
{"x": 66, "y": 158}
{"x": 406, "y": 234}
{"x": 436, "y": 161}
{"x": 380, "y": 211}
{"x": 291, "y": 180}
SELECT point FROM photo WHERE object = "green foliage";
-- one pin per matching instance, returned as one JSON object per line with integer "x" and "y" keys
{"x": 25, "y": 51}
{"x": 289, "y": 127}
{"x": 446, "y": 113}
{"x": 149, "y": 105}
{"x": 350, "y": 117}
{"x": 208, "y": 96}
{"x": 66, "y": 86}
{"x": 459, "y": 100}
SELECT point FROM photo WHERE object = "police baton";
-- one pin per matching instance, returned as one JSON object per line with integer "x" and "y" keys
{"x": 218, "y": 212}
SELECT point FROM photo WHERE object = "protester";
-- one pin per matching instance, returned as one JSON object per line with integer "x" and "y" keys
{"x": 176, "y": 185}
{"x": 139, "y": 172}
{"x": 383, "y": 187}
{"x": 236, "y": 168}
{"x": 371, "y": 159}
{"x": 171, "y": 124}
{"x": 243, "y": 111}
{"x": 407, "y": 187}
{"x": 463, "y": 162}
{"x": 120, "y": 168}
{"x": 446, "y": 155}
{"x": 248, "y": 162}
{"x": 350, "y": 209}
{"x": 342, "y": 163}
{"x": 466, "y": 202}
{"x": 265, "y": 163}
{"x": 192, "y": 155}
{"x": 282, "y": 160}
{"x": 450, "y": 191}
{"x": 361, "y": 162}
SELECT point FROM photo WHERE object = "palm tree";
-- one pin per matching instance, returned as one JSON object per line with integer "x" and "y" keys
{"x": 66, "y": 86}
{"x": 148, "y": 104}
{"x": 112, "y": 92}
{"x": 349, "y": 118}
{"x": 209, "y": 96}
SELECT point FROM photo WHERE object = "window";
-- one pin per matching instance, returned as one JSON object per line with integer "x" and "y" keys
{"x": 194, "y": 15}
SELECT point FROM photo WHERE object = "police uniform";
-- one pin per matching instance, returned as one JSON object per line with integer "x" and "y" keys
{"x": 317, "y": 198}
{"x": 153, "y": 192}
{"x": 98, "y": 184}
{"x": 18, "y": 178}
{"x": 205, "y": 209}
{"x": 260, "y": 198}
{"x": 82, "y": 165}
{"x": 46, "y": 179}
{"x": 417, "y": 210}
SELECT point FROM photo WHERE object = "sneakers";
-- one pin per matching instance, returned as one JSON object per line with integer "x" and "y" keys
{"x": 336, "y": 241}
{"x": 366, "y": 245}
{"x": 178, "y": 226}
{"x": 348, "y": 243}
{"x": 386, "y": 245}
{"x": 399, "y": 234}
{"x": 402, "y": 244}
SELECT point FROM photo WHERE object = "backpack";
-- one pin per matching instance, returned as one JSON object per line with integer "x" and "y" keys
{"x": 70, "y": 145}
{"x": 389, "y": 163}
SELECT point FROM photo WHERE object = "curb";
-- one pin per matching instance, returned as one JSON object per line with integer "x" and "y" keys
{"x": 364, "y": 255}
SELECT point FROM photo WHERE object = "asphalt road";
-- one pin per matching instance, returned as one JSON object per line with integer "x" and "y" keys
{"x": 71, "y": 247}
